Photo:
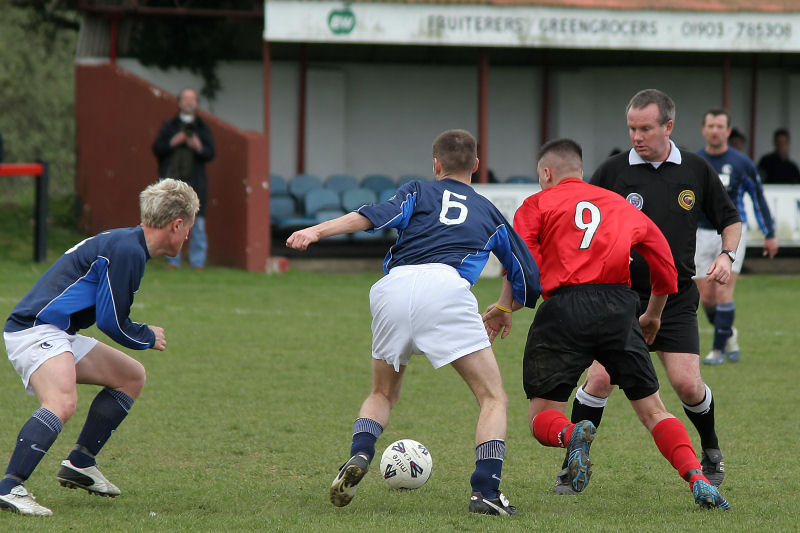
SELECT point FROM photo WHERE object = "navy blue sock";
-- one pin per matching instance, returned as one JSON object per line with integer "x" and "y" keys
{"x": 723, "y": 324}
{"x": 35, "y": 438}
{"x": 109, "y": 408}
{"x": 365, "y": 434}
{"x": 488, "y": 468}
{"x": 711, "y": 312}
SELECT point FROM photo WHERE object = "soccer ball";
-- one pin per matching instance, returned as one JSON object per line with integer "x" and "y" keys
{"x": 406, "y": 464}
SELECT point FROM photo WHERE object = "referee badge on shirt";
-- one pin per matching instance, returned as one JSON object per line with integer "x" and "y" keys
{"x": 686, "y": 199}
{"x": 636, "y": 200}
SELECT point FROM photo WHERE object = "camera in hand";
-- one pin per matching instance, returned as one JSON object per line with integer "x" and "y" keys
{"x": 188, "y": 129}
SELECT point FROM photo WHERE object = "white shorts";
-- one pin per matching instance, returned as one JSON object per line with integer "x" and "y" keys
{"x": 708, "y": 248}
{"x": 425, "y": 309}
{"x": 29, "y": 348}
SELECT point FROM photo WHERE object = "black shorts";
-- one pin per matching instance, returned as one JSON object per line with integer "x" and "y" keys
{"x": 579, "y": 324}
{"x": 678, "y": 332}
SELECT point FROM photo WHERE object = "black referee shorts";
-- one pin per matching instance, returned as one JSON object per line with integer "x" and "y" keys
{"x": 678, "y": 332}
{"x": 579, "y": 324}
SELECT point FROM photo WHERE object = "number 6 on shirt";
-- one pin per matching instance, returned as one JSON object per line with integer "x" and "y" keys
{"x": 447, "y": 203}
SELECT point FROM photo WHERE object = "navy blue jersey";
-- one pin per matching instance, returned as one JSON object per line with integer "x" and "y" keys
{"x": 739, "y": 175}
{"x": 446, "y": 221}
{"x": 94, "y": 281}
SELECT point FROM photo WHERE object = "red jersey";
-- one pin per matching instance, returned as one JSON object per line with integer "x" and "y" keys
{"x": 581, "y": 234}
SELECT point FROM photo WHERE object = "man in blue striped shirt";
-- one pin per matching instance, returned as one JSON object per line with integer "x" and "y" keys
{"x": 738, "y": 174}
{"x": 423, "y": 305}
{"x": 93, "y": 282}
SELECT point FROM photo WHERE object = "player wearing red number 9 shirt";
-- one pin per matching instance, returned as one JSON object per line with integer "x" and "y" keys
{"x": 580, "y": 236}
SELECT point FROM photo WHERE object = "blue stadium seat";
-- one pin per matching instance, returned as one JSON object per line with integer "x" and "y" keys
{"x": 377, "y": 182}
{"x": 385, "y": 194}
{"x": 318, "y": 199}
{"x": 278, "y": 185}
{"x": 341, "y": 182}
{"x": 281, "y": 206}
{"x": 302, "y": 183}
{"x": 405, "y": 178}
{"x": 355, "y": 198}
{"x": 283, "y": 213}
{"x": 520, "y": 179}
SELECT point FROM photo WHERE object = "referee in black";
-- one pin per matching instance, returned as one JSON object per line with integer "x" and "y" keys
{"x": 672, "y": 187}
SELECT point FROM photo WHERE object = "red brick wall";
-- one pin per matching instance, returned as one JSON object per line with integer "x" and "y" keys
{"x": 117, "y": 117}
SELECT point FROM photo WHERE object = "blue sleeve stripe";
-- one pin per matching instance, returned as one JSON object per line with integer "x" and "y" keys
{"x": 66, "y": 326}
{"x": 761, "y": 209}
{"x": 517, "y": 267}
{"x": 116, "y": 315}
{"x": 406, "y": 209}
{"x": 503, "y": 250}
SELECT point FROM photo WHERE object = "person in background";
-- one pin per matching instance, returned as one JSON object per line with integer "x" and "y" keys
{"x": 183, "y": 146}
{"x": 776, "y": 167}
{"x": 738, "y": 175}
{"x": 737, "y": 140}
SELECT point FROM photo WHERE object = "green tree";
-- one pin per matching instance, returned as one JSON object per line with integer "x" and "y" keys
{"x": 37, "y": 94}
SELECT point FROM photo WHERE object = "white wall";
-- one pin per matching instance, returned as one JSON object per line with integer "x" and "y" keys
{"x": 364, "y": 117}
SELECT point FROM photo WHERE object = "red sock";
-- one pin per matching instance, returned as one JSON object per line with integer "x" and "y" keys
{"x": 548, "y": 425}
{"x": 674, "y": 444}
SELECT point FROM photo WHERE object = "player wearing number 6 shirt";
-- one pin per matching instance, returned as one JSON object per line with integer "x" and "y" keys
{"x": 581, "y": 237}
{"x": 93, "y": 282}
{"x": 423, "y": 305}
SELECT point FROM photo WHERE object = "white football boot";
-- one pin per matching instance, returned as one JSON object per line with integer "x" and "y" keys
{"x": 89, "y": 479}
{"x": 19, "y": 500}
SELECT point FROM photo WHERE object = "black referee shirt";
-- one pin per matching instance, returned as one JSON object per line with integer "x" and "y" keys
{"x": 672, "y": 195}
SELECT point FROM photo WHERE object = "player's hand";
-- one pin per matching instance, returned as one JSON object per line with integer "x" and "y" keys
{"x": 194, "y": 143}
{"x": 720, "y": 270}
{"x": 770, "y": 247}
{"x": 301, "y": 239}
{"x": 496, "y": 321}
{"x": 161, "y": 341}
{"x": 178, "y": 138}
{"x": 650, "y": 326}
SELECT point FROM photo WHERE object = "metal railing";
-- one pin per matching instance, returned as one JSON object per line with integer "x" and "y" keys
{"x": 37, "y": 170}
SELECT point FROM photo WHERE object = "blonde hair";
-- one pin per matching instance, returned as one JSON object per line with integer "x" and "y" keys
{"x": 164, "y": 201}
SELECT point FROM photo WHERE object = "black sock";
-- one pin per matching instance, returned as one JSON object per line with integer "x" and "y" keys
{"x": 582, "y": 411}
{"x": 702, "y": 416}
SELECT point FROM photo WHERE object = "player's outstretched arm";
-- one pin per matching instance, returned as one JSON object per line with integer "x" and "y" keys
{"x": 161, "y": 340}
{"x": 349, "y": 223}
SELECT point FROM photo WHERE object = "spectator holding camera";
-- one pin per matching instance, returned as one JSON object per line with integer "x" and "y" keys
{"x": 183, "y": 146}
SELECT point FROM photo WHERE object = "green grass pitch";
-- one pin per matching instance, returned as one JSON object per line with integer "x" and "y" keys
{"x": 247, "y": 415}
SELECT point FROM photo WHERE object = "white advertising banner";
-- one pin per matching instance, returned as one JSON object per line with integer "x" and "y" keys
{"x": 783, "y": 201}
{"x": 528, "y": 26}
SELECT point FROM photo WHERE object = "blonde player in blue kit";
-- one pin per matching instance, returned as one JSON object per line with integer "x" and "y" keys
{"x": 423, "y": 305}
{"x": 93, "y": 282}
